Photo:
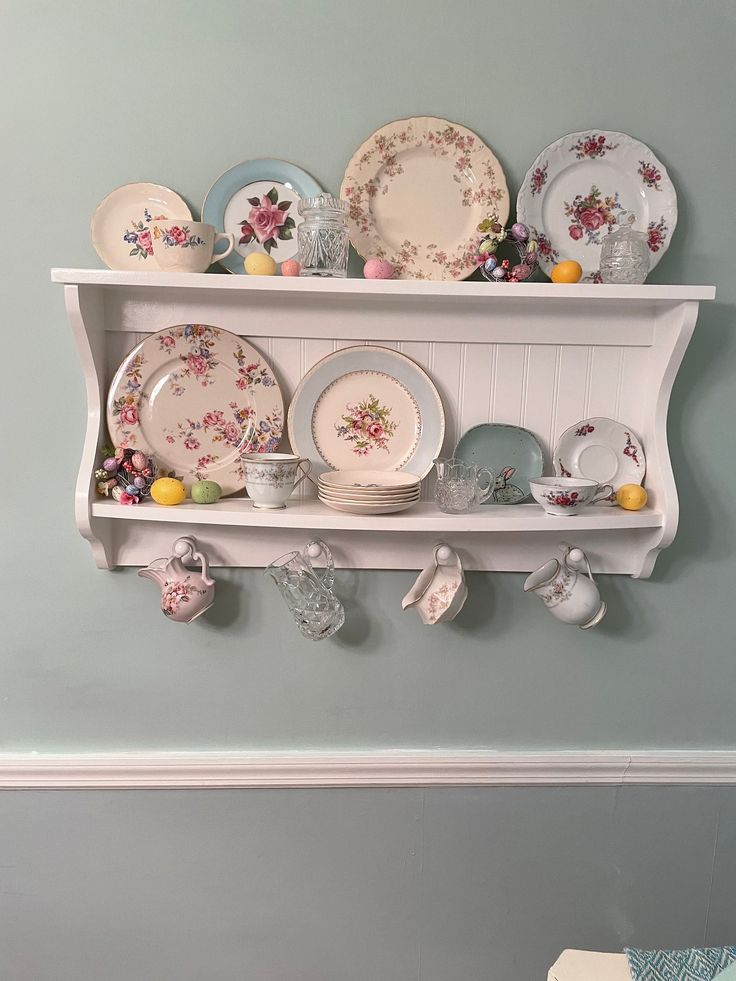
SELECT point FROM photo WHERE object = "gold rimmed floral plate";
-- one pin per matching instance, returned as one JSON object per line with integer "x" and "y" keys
{"x": 367, "y": 408}
{"x": 195, "y": 397}
{"x": 122, "y": 225}
{"x": 417, "y": 190}
{"x": 582, "y": 186}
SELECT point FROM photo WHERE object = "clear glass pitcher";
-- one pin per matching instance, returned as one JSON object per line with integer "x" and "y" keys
{"x": 308, "y": 592}
{"x": 459, "y": 488}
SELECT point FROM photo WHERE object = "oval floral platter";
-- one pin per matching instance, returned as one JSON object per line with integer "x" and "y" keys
{"x": 579, "y": 189}
{"x": 367, "y": 408}
{"x": 257, "y": 201}
{"x": 122, "y": 225}
{"x": 195, "y": 397}
{"x": 417, "y": 190}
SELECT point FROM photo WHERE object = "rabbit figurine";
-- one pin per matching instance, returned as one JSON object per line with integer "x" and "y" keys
{"x": 503, "y": 491}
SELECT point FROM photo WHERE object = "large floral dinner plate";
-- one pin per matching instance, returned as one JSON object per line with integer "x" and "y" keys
{"x": 367, "y": 408}
{"x": 579, "y": 189}
{"x": 121, "y": 225}
{"x": 601, "y": 449}
{"x": 196, "y": 397}
{"x": 417, "y": 190}
{"x": 257, "y": 201}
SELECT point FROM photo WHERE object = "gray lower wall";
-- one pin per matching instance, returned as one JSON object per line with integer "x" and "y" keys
{"x": 351, "y": 885}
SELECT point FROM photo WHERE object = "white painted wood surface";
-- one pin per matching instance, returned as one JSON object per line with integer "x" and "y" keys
{"x": 535, "y": 355}
{"x": 379, "y": 768}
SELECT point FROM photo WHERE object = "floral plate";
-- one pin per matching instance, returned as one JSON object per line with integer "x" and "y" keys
{"x": 580, "y": 187}
{"x": 121, "y": 225}
{"x": 257, "y": 202}
{"x": 417, "y": 190}
{"x": 510, "y": 452}
{"x": 603, "y": 450}
{"x": 367, "y": 408}
{"x": 195, "y": 397}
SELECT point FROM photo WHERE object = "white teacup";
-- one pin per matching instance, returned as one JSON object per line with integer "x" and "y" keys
{"x": 181, "y": 245}
{"x": 270, "y": 478}
{"x": 567, "y": 495}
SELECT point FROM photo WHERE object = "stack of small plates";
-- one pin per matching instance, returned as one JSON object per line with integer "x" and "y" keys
{"x": 369, "y": 491}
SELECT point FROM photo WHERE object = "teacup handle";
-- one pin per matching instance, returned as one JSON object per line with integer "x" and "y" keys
{"x": 305, "y": 466}
{"x": 219, "y": 237}
{"x": 487, "y": 491}
{"x": 605, "y": 491}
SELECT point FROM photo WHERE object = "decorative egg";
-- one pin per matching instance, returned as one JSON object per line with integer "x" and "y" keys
{"x": 567, "y": 271}
{"x": 531, "y": 258}
{"x": 532, "y": 245}
{"x": 139, "y": 460}
{"x": 487, "y": 245}
{"x": 131, "y": 489}
{"x": 111, "y": 464}
{"x": 168, "y": 491}
{"x": 117, "y": 492}
{"x": 260, "y": 264}
{"x": 378, "y": 269}
{"x": 499, "y": 273}
{"x": 519, "y": 231}
{"x": 522, "y": 271}
{"x": 631, "y": 497}
{"x": 139, "y": 482}
{"x": 206, "y": 492}
{"x": 490, "y": 264}
{"x": 290, "y": 267}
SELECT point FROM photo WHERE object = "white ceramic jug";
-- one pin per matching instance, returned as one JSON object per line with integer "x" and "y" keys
{"x": 569, "y": 594}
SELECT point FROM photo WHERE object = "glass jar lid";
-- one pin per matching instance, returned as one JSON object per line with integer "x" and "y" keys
{"x": 323, "y": 203}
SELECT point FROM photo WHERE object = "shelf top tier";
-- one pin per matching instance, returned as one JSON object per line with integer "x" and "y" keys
{"x": 375, "y": 287}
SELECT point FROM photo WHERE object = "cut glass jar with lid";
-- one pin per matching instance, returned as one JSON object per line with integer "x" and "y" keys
{"x": 625, "y": 253}
{"x": 323, "y": 236}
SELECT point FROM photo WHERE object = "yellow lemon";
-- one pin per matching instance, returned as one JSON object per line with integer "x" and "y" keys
{"x": 259, "y": 264}
{"x": 168, "y": 491}
{"x": 631, "y": 497}
{"x": 568, "y": 271}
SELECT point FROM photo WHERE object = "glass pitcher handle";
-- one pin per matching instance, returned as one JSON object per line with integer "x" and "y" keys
{"x": 327, "y": 575}
{"x": 485, "y": 493}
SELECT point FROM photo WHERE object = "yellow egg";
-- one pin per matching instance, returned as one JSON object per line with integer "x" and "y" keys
{"x": 168, "y": 491}
{"x": 568, "y": 271}
{"x": 631, "y": 497}
{"x": 260, "y": 264}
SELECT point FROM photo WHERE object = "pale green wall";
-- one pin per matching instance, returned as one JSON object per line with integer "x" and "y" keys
{"x": 95, "y": 94}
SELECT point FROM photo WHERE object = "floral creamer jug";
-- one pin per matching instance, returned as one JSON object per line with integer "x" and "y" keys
{"x": 185, "y": 594}
{"x": 568, "y": 593}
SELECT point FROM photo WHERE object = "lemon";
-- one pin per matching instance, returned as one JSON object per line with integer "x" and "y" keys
{"x": 568, "y": 271}
{"x": 259, "y": 264}
{"x": 168, "y": 491}
{"x": 631, "y": 497}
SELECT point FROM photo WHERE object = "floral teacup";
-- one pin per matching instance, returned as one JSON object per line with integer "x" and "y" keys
{"x": 567, "y": 495}
{"x": 180, "y": 245}
{"x": 270, "y": 478}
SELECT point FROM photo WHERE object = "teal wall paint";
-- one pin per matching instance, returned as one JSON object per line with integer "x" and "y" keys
{"x": 97, "y": 94}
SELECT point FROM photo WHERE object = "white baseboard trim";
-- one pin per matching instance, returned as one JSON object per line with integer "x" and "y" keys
{"x": 381, "y": 768}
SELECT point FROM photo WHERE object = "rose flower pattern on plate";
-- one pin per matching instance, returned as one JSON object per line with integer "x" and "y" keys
{"x": 592, "y": 214}
{"x": 268, "y": 222}
{"x": 367, "y": 426}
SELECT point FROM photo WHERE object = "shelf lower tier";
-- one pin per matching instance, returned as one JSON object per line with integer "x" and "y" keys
{"x": 517, "y": 538}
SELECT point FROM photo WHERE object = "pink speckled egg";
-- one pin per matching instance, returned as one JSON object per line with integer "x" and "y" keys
{"x": 378, "y": 269}
{"x": 290, "y": 267}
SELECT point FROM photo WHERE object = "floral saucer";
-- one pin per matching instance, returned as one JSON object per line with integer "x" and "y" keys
{"x": 257, "y": 201}
{"x": 603, "y": 450}
{"x": 579, "y": 189}
{"x": 122, "y": 224}
{"x": 196, "y": 398}
{"x": 418, "y": 189}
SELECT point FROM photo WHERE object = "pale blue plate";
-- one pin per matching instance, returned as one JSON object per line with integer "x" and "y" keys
{"x": 228, "y": 205}
{"x": 512, "y": 453}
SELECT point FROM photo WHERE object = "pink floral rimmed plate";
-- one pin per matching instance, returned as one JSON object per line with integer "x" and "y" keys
{"x": 417, "y": 190}
{"x": 195, "y": 397}
{"x": 582, "y": 185}
{"x": 603, "y": 450}
{"x": 367, "y": 408}
{"x": 122, "y": 224}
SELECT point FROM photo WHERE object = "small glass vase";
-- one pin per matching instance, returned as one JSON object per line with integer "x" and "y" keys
{"x": 323, "y": 237}
{"x": 624, "y": 256}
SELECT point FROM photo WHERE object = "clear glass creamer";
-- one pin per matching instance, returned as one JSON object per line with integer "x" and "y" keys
{"x": 625, "y": 255}
{"x": 323, "y": 237}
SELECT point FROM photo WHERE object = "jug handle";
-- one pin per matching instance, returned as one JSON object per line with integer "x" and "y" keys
{"x": 186, "y": 546}
{"x": 485, "y": 494}
{"x": 313, "y": 550}
{"x": 569, "y": 557}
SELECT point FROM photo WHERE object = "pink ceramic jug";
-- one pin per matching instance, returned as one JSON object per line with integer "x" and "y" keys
{"x": 185, "y": 594}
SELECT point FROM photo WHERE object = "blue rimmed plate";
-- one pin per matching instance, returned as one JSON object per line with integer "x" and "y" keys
{"x": 257, "y": 201}
{"x": 510, "y": 452}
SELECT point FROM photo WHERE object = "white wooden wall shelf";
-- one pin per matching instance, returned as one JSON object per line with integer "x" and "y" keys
{"x": 536, "y": 355}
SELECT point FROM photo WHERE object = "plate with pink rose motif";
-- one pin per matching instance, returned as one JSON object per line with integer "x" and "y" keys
{"x": 417, "y": 190}
{"x": 584, "y": 186}
{"x": 123, "y": 222}
{"x": 195, "y": 397}
{"x": 603, "y": 450}
{"x": 257, "y": 201}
